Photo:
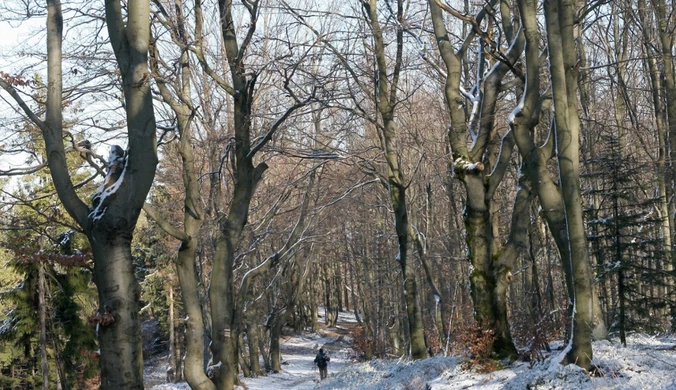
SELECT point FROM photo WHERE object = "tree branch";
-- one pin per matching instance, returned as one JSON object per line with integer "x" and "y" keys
{"x": 164, "y": 224}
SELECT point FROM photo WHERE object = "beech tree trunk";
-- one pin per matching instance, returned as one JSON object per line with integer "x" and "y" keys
{"x": 110, "y": 222}
{"x": 386, "y": 98}
{"x": 481, "y": 168}
{"x": 172, "y": 336}
{"x": 121, "y": 359}
{"x": 252, "y": 336}
{"x": 561, "y": 206}
{"x": 562, "y": 57}
{"x": 193, "y": 209}
{"x": 663, "y": 82}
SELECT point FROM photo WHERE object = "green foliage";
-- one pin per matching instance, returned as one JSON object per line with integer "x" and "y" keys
{"x": 68, "y": 334}
{"x": 42, "y": 235}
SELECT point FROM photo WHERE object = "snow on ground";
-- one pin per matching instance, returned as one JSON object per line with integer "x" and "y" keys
{"x": 298, "y": 354}
{"x": 647, "y": 363}
{"x": 299, "y": 371}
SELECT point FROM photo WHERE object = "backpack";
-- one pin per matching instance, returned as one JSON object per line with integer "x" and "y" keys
{"x": 321, "y": 360}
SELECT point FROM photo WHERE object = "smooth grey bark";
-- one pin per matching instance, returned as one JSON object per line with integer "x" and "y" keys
{"x": 252, "y": 337}
{"x": 561, "y": 206}
{"x": 386, "y": 99}
{"x": 665, "y": 173}
{"x": 226, "y": 302}
{"x": 600, "y": 330}
{"x": 178, "y": 96}
{"x": 111, "y": 234}
{"x": 172, "y": 336}
{"x": 665, "y": 27}
{"x": 473, "y": 165}
{"x": 110, "y": 223}
{"x": 532, "y": 284}
{"x": 517, "y": 243}
{"x": 562, "y": 58}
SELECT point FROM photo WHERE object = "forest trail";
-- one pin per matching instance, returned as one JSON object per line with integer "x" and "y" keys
{"x": 298, "y": 353}
{"x": 646, "y": 363}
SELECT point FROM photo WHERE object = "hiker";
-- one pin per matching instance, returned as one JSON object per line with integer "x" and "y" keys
{"x": 322, "y": 361}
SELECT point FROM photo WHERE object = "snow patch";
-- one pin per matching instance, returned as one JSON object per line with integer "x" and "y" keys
{"x": 648, "y": 362}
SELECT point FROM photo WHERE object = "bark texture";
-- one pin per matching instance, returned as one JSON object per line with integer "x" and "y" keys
{"x": 481, "y": 167}
{"x": 386, "y": 98}
{"x": 110, "y": 221}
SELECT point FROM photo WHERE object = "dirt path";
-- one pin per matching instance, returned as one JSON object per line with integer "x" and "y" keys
{"x": 298, "y": 353}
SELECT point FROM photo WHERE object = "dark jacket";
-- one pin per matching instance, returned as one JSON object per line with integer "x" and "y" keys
{"x": 321, "y": 360}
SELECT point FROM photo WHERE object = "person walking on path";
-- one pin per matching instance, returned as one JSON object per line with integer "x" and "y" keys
{"x": 322, "y": 361}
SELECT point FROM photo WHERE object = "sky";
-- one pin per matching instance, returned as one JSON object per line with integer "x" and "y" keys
{"x": 11, "y": 34}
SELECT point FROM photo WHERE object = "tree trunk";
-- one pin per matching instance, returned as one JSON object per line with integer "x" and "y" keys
{"x": 246, "y": 370}
{"x": 535, "y": 305}
{"x": 487, "y": 278}
{"x": 172, "y": 337}
{"x": 664, "y": 172}
{"x": 193, "y": 363}
{"x": 275, "y": 351}
{"x": 193, "y": 212}
{"x": 252, "y": 341}
{"x": 109, "y": 222}
{"x": 666, "y": 35}
{"x": 43, "y": 325}
{"x": 563, "y": 56}
{"x": 516, "y": 244}
{"x": 267, "y": 364}
{"x": 119, "y": 329}
{"x": 314, "y": 307}
{"x": 562, "y": 210}
{"x": 386, "y": 96}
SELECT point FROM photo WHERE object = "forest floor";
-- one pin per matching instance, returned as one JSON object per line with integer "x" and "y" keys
{"x": 648, "y": 362}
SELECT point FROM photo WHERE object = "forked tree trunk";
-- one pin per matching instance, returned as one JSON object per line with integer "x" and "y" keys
{"x": 193, "y": 210}
{"x": 110, "y": 222}
{"x": 488, "y": 278}
{"x": 562, "y": 210}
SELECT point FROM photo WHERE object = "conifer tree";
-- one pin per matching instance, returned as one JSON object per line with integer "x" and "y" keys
{"x": 624, "y": 231}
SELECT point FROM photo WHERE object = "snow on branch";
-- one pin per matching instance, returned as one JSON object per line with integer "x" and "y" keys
{"x": 462, "y": 165}
{"x": 117, "y": 166}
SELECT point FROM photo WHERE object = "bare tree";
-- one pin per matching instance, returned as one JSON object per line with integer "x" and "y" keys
{"x": 562, "y": 206}
{"x": 178, "y": 96}
{"x": 481, "y": 166}
{"x": 227, "y": 302}
{"x": 109, "y": 223}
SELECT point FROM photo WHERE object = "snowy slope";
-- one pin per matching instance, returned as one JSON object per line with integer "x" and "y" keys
{"x": 647, "y": 363}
